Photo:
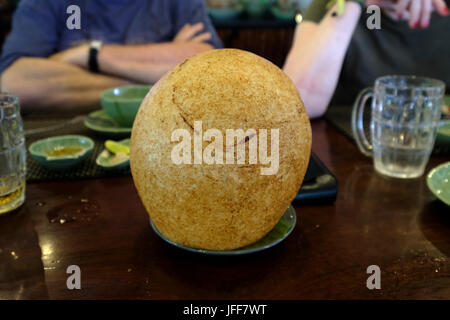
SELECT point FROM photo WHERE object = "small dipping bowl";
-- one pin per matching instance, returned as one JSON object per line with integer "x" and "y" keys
{"x": 122, "y": 104}
{"x": 283, "y": 15}
{"x": 109, "y": 161}
{"x": 438, "y": 181}
{"x": 63, "y": 152}
{"x": 224, "y": 14}
{"x": 443, "y": 133}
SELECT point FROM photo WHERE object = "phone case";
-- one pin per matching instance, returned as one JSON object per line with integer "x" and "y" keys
{"x": 319, "y": 186}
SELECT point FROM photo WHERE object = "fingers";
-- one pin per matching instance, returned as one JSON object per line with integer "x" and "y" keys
{"x": 441, "y": 7}
{"x": 418, "y": 12}
{"x": 188, "y": 32}
{"x": 389, "y": 7}
{"x": 185, "y": 27}
{"x": 387, "y": 4}
{"x": 180, "y": 34}
{"x": 202, "y": 37}
{"x": 415, "y": 12}
{"x": 191, "y": 31}
{"x": 391, "y": 13}
{"x": 427, "y": 7}
{"x": 402, "y": 6}
{"x": 194, "y": 29}
{"x": 383, "y": 4}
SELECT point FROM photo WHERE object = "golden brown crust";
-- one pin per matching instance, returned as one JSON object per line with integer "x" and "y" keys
{"x": 219, "y": 207}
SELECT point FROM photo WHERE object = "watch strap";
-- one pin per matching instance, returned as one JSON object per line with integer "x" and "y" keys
{"x": 93, "y": 56}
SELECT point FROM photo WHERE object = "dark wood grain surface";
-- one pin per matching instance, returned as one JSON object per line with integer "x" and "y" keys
{"x": 271, "y": 43}
{"x": 101, "y": 226}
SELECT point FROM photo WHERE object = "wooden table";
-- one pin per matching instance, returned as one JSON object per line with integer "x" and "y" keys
{"x": 101, "y": 226}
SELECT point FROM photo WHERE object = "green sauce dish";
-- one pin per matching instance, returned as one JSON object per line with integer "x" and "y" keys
{"x": 443, "y": 133}
{"x": 122, "y": 104}
{"x": 280, "y": 232}
{"x": 115, "y": 159}
{"x": 99, "y": 122}
{"x": 438, "y": 181}
{"x": 224, "y": 14}
{"x": 62, "y": 152}
{"x": 283, "y": 15}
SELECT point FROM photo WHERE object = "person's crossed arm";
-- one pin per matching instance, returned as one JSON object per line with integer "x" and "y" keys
{"x": 44, "y": 80}
{"x": 145, "y": 63}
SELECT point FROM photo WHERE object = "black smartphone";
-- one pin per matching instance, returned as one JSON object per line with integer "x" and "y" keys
{"x": 319, "y": 186}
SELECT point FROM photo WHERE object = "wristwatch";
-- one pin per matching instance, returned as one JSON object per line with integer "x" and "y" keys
{"x": 95, "y": 47}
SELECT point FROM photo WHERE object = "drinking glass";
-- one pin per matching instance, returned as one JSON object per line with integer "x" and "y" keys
{"x": 405, "y": 115}
{"x": 12, "y": 154}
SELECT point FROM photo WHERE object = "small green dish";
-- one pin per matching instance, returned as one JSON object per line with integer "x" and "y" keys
{"x": 280, "y": 232}
{"x": 122, "y": 104}
{"x": 446, "y": 108}
{"x": 63, "y": 152}
{"x": 443, "y": 133}
{"x": 108, "y": 128}
{"x": 224, "y": 14}
{"x": 283, "y": 15}
{"x": 438, "y": 181}
{"x": 256, "y": 9}
{"x": 111, "y": 161}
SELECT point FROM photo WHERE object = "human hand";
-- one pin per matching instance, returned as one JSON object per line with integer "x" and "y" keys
{"x": 418, "y": 12}
{"x": 192, "y": 33}
{"x": 77, "y": 56}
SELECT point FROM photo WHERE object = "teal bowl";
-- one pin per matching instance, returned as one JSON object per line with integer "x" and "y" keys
{"x": 122, "y": 104}
{"x": 110, "y": 161}
{"x": 256, "y": 9}
{"x": 438, "y": 181}
{"x": 63, "y": 152}
{"x": 443, "y": 133}
{"x": 225, "y": 14}
{"x": 283, "y": 15}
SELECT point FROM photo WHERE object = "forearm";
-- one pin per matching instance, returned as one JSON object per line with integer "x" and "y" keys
{"x": 168, "y": 52}
{"x": 315, "y": 60}
{"x": 137, "y": 63}
{"x": 137, "y": 71}
{"x": 146, "y": 63}
{"x": 43, "y": 84}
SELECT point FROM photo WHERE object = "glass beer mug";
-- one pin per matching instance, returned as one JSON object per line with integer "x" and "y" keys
{"x": 405, "y": 115}
{"x": 12, "y": 154}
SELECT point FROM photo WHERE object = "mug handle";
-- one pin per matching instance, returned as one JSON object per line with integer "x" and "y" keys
{"x": 358, "y": 122}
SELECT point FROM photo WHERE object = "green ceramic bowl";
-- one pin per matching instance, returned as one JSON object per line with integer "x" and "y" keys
{"x": 99, "y": 122}
{"x": 438, "y": 181}
{"x": 109, "y": 161}
{"x": 445, "y": 111}
{"x": 225, "y": 13}
{"x": 61, "y": 153}
{"x": 280, "y": 232}
{"x": 283, "y": 15}
{"x": 443, "y": 133}
{"x": 122, "y": 104}
{"x": 257, "y": 8}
